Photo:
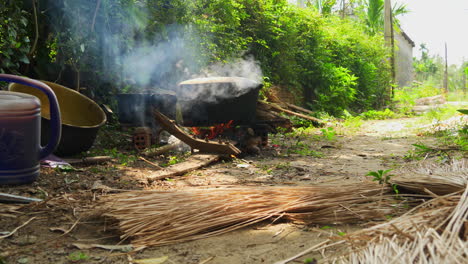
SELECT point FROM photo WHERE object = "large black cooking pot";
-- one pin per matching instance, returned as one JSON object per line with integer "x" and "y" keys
{"x": 215, "y": 100}
{"x": 135, "y": 108}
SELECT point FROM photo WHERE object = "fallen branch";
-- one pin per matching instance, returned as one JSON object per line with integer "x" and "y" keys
{"x": 194, "y": 162}
{"x": 89, "y": 160}
{"x": 160, "y": 150}
{"x": 150, "y": 163}
{"x": 18, "y": 228}
{"x": 202, "y": 145}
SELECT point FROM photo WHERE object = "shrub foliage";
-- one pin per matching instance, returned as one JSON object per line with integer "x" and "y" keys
{"x": 331, "y": 64}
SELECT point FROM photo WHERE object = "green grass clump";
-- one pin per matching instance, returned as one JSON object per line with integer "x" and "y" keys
{"x": 378, "y": 115}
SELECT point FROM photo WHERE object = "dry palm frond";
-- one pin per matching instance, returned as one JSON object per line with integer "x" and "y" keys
{"x": 432, "y": 235}
{"x": 433, "y": 232}
{"x": 163, "y": 217}
{"x": 438, "y": 178}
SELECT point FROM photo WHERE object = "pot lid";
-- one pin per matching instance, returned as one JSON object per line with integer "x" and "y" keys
{"x": 16, "y": 102}
{"x": 239, "y": 81}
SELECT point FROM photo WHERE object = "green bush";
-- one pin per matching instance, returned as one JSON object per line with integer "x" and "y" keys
{"x": 14, "y": 39}
{"x": 405, "y": 97}
{"x": 378, "y": 115}
{"x": 328, "y": 62}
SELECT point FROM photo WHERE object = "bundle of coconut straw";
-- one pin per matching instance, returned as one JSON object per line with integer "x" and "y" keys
{"x": 435, "y": 231}
{"x": 151, "y": 218}
{"x": 437, "y": 178}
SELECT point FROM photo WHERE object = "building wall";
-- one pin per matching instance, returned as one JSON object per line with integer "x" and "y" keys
{"x": 404, "y": 71}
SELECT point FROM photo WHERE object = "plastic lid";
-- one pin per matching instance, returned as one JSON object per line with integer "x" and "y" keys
{"x": 17, "y": 102}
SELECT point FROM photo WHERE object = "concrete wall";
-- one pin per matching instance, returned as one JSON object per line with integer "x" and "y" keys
{"x": 404, "y": 71}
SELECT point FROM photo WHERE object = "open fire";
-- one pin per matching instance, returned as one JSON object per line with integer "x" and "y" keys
{"x": 213, "y": 131}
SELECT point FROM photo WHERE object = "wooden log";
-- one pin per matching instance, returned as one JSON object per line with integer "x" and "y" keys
{"x": 202, "y": 145}
{"x": 194, "y": 162}
{"x": 289, "y": 112}
{"x": 298, "y": 108}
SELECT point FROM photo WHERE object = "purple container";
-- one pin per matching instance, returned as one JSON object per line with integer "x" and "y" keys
{"x": 20, "y": 126}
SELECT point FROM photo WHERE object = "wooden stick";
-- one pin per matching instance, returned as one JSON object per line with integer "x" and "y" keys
{"x": 298, "y": 108}
{"x": 192, "y": 163}
{"x": 289, "y": 112}
{"x": 150, "y": 163}
{"x": 160, "y": 150}
{"x": 89, "y": 160}
{"x": 18, "y": 228}
{"x": 202, "y": 145}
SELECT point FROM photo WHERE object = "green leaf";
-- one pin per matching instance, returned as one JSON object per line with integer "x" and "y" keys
{"x": 463, "y": 111}
{"x": 372, "y": 173}
{"x": 24, "y": 21}
{"x": 422, "y": 147}
{"x": 24, "y": 59}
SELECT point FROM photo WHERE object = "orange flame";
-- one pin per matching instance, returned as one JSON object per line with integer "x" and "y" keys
{"x": 212, "y": 132}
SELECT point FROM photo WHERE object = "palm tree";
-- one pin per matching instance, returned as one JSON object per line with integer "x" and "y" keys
{"x": 375, "y": 14}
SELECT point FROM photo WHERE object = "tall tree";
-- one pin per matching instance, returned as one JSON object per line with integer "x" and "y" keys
{"x": 374, "y": 14}
{"x": 322, "y": 6}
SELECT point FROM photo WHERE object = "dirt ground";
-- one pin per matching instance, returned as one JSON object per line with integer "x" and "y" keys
{"x": 59, "y": 222}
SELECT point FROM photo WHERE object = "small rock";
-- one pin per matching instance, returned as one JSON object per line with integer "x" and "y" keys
{"x": 60, "y": 251}
{"x": 243, "y": 165}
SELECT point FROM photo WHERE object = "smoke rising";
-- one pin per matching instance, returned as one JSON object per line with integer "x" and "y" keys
{"x": 123, "y": 45}
{"x": 239, "y": 67}
{"x": 164, "y": 64}
{"x": 134, "y": 52}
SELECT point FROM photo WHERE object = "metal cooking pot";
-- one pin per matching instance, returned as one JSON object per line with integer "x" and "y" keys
{"x": 215, "y": 100}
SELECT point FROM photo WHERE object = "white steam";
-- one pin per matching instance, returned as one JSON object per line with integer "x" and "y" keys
{"x": 247, "y": 68}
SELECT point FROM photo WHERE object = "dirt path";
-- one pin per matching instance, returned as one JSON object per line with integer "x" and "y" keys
{"x": 377, "y": 145}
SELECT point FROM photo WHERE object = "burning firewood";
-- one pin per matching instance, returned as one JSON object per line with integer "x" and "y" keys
{"x": 202, "y": 145}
